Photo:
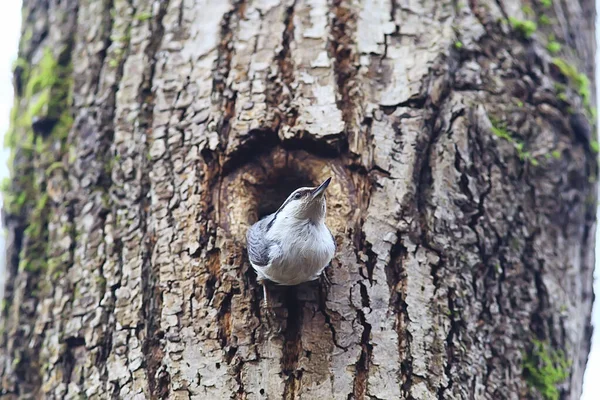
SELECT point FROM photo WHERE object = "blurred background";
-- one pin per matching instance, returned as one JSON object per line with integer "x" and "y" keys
{"x": 10, "y": 21}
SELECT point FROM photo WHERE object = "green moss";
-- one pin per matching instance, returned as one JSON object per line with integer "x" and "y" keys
{"x": 100, "y": 281}
{"x": 525, "y": 155}
{"x": 544, "y": 368}
{"x": 46, "y": 95}
{"x": 525, "y": 28}
{"x": 458, "y": 45}
{"x": 28, "y": 34}
{"x": 53, "y": 266}
{"x": 5, "y": 185}
{"x": 499, "y": 129}
{"x": 143, "y": 16}
{"x": 579, "y": 80}
{"x": 528, "y": 10}
{"x": 583, "y": 87}
{"x": 34, "y": 229}
{"x": 13, "y": 201}
{"x": 72, "y": 155}
{"x": 4, "y": 305}
{"x": 43, "y": 75}
{"x": 546, "y": 3}
{"x": 544, "y": 20}
{"x": 54, "y": 166}
{"x": 559, "y": 87}
{"x": 40, "y": 146}
{"x": 63, "y": 126}
{"x": 553, "y": 47}
{"x": 33, "y": 255}
{"x": 556, "y": 154}
{"x": 594, "y": 146}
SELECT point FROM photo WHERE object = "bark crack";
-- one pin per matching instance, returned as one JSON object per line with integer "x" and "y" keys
{"x": 363, "y": 364}
{"x": 345, "y": 68}
{"x": 152, "y": 295}
{"x": 292, "y": 344}
{"x": 281, "y": 91}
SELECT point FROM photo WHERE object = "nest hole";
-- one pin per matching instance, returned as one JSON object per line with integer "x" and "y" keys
{"x": 261, "y": 187}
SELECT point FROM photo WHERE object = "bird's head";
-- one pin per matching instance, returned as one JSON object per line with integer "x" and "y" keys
{"x": 306, "y": 203}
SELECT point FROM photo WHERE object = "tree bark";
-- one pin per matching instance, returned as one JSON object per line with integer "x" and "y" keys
{"x": 148, "y": 136}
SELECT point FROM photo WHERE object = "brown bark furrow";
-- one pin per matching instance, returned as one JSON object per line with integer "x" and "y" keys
{"x": 222, "y": 96}
{"x": 96, "y": 273}
{"x": 94, "y": 29}
{"x": 281, "y": 91}
{"x": 129, "y": 187}
{"x": 372, "y": 380}
{"x": 319, "y": 118}
{"x": 56, "y": 358}
{"x": 186, "y": 131}
{"x": 158, "y": 386}
{"x": 64, "y": 354}
{"x": 292, "y": 345}
{"x": 342, "y": 302}
{"x": 343, "y": 29}
{"x": 315, "y": 344}
{"x": 262, "y": 27}
{"x": 399, "y": 196}
{"x": 81, "y": 308}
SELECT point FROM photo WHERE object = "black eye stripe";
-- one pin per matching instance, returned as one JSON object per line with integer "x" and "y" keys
{"x": 301, "y": 193}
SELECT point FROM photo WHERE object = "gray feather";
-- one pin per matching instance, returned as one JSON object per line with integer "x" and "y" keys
{"x": 259, "y": 247}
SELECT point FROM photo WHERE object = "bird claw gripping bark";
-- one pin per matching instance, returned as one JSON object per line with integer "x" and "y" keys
{"x": 270, "y": 315}
{"x": 325, "y": 279}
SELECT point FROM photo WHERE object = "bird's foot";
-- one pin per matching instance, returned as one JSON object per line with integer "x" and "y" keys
{"x": 270, "y": 315}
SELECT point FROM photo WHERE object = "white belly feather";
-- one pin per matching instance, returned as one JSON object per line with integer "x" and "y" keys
{"x": 305, "y": 250}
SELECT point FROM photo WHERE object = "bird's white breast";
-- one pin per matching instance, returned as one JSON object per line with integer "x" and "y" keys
{"x": 306, "y": 248}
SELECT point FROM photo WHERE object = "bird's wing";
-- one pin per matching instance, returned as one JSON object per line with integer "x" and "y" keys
{"x": 260, "y": 249}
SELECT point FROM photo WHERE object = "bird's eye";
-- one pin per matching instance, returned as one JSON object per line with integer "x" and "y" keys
{"x": 297, "y": 195}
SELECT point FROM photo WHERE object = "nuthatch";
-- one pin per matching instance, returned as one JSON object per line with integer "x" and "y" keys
{"x": 292, "y": 245}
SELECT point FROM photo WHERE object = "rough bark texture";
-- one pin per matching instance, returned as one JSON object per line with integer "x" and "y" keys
{"x": 463, "y": 198}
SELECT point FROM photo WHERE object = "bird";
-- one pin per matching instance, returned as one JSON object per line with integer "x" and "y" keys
{"x": 292, "y": 245}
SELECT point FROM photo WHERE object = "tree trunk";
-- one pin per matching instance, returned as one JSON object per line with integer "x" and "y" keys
{"x": 148, "y": 136}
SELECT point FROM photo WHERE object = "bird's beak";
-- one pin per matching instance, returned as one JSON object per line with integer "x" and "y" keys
{"x": 318, "y": 192}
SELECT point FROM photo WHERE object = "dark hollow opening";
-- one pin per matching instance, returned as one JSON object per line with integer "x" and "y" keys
{"x": 272, "y": 195}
